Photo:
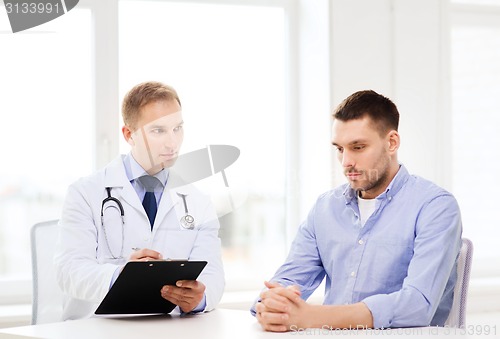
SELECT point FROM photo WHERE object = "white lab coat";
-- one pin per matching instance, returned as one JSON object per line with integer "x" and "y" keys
{"x": 83, "y": 262}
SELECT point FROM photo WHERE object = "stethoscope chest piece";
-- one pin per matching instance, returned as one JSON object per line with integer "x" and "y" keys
{"x": 187, "y": 222}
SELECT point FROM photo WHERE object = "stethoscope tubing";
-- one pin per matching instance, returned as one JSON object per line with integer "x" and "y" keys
{"x": 122, "y": 214}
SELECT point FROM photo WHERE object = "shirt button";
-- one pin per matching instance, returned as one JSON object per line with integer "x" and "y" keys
{"x": 353, "y": 274}
{"x": 146, "y": 239}
{"x": 361, "y": 242}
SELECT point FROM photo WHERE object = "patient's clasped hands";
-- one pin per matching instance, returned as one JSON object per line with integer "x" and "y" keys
{"x": 281, "y": 307}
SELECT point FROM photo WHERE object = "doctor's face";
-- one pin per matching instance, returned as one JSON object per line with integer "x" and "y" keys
{"x": 368, "y": 158}
{"x": 158, "y": 138}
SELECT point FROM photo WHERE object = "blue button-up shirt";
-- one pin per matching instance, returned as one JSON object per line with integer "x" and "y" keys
{"x": 401, "y": 264}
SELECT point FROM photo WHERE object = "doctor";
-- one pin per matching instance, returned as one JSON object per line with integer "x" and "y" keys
{"x": 104, "y": 222}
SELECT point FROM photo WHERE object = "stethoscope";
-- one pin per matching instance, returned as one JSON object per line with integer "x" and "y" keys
{"x": 187, "y": 221}
{"x": 122, "y": 213}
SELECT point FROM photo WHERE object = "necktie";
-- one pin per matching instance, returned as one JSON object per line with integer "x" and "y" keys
{"x": 149, "y": 202}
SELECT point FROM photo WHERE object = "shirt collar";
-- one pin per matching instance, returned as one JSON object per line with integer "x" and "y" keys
{"x": 134, "y": 170}
{"x": 392, "y": 189}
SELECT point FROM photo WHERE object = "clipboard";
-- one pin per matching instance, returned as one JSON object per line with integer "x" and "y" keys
{"x": 137, "y": 288}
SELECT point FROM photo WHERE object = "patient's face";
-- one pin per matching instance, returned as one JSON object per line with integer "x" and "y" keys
{"x": 364, "y": 155}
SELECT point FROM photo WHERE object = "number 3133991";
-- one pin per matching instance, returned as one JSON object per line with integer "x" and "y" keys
{"x": 32, "y": 8}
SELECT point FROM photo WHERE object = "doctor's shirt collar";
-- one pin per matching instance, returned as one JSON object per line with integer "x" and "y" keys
{"x": 134, "y": 170}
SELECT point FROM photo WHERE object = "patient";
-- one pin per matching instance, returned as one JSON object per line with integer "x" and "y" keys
{"x": 387, "y": 241}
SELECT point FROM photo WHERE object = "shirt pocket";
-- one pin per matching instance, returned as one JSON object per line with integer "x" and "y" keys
{"x": 176, "y": 244}
{"x": 389, "y": 264}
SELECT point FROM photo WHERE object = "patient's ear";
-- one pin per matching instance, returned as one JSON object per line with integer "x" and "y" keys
{"x": 393, "y": 141}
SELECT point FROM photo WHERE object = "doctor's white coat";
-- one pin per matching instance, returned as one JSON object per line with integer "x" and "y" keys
{"x": 84, "y": 259}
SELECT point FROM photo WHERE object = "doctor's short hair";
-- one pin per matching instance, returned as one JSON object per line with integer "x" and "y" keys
{"x": 143, "y": 94}
{"x": 381, "y": 110}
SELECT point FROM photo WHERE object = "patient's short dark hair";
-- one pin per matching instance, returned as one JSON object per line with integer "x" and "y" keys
{"x": 381, "y": 110}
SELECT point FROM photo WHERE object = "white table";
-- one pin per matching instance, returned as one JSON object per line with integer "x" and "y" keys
{"x": 220, "y": 324}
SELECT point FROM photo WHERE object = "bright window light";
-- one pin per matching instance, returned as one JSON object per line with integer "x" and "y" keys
{"x": 476, "y": 141}
{"x": 47, "y": 134}
{"x": 227, "y": 63}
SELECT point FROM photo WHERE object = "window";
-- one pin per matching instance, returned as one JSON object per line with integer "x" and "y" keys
{"x": 227, "y": 61}
{"x": 47, "y": 135}
{"x": 227, "y": 64}
{"x": 475, "y": 54}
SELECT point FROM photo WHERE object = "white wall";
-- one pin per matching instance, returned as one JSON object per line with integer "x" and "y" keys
{"x": 395, "y": 47}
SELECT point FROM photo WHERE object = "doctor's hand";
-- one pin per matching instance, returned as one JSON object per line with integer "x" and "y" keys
{"x": 281, "y": 307}
{"x": 187, "y": 294}
{"x": 145, "y": 254}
